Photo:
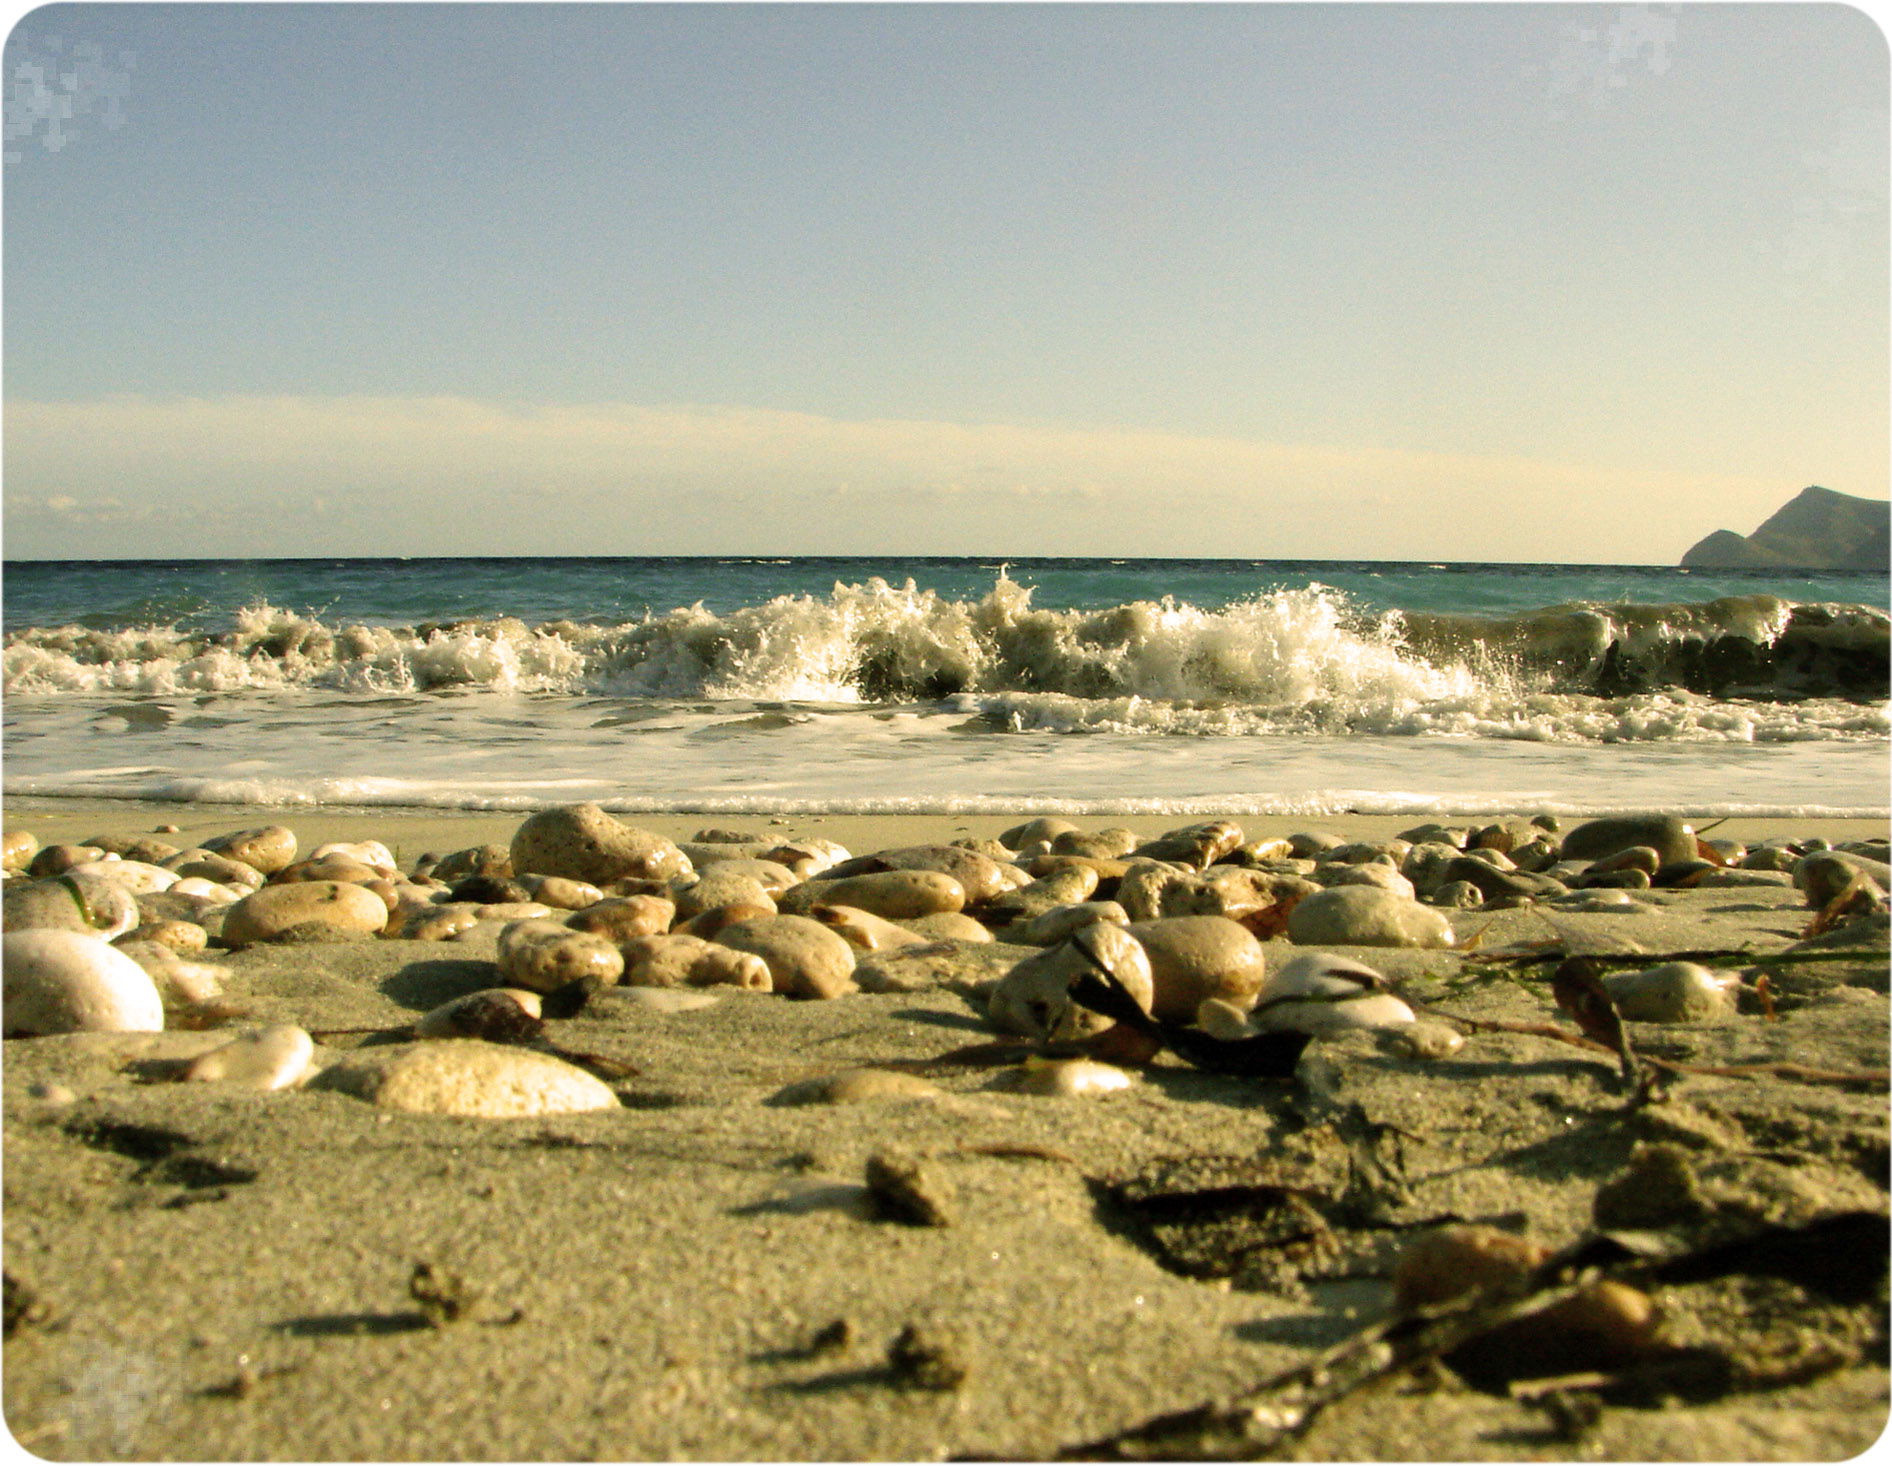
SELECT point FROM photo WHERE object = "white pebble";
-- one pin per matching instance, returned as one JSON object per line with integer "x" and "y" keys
{"x": 1331, "y": 979}
{"x": 278, "y": 1057}
{"x": 68, "y": 982}
{"x": 1068, "y": 1077}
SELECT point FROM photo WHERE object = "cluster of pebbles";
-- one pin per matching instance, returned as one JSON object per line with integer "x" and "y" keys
{"x": 1200, "y": 927}
{"x": 113, "y": 935}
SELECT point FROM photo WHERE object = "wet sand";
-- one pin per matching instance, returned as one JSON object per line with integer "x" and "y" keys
{"x": 226, "y": 1275}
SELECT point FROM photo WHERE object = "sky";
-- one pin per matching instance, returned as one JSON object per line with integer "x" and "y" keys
{"x": 1511, "y": 282}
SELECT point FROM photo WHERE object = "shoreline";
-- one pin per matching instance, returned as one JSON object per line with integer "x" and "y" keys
{"x": 418, "y": 830}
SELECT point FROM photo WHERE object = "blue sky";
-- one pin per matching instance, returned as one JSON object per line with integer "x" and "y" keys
{"x": 1462, "y": 282}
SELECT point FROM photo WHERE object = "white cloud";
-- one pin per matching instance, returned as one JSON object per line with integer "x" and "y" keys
{"x": 441, "y": 475}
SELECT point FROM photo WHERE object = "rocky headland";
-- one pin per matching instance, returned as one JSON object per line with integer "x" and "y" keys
{"x": 1818, "y": 529}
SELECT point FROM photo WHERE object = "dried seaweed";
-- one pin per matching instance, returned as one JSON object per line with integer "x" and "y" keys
{"x": 1843, "y": 1256}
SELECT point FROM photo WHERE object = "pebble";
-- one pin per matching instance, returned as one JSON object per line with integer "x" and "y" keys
{"x": 1600, "y": 900}
{"x": 17, "y": 849}
{"x": 980, "y": 877}
{"x": 1667, "y": 835}
{"x": 70, "y": 903}
{"x": 1320, "y": 975}
{"x": 70, "y": 982}
{"x": 503, "y": 1015}
{"x": 1369, "y": 873}
{"x": 272, "y": 911}
{"x": 1423, "y": 1038}
{"x": 1034, "y": 998}
{"x": 1072, "y": 1077}
{"x": 51, "y": 860}
{"x": 543, "y": 955}
{"x": 268, "y": 849}
{"x": 804, "y": 958}
{"x": 953, "y": 926}
{"x": 1825, "y": 873}
{"x": 135, "y": 877}
{"x": 277, "y": 1057}
{"x": 719, "y": 886}
{"x": 894, "y": 894}
{"x": 1735, "y": 876}
{"x": 1110, "y": 843}
{"x": 678, "y": 959}
{"x": 1364, "y": 916}
{"x": 1051, "y": 927}
{"x": 862, "y": 930}
{"x": 583, "y": 843}
{"x": 179, "y": 936}
{"x": 1675, "y": 992}
{"x": 620, "y": 918}
{"x": 1193, "y": 958}
{"x": 207, "y": 865}
{"x": 465, "y": 1077}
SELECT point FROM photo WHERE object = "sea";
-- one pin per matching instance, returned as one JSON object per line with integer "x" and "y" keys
{"x": 949, "y": 685}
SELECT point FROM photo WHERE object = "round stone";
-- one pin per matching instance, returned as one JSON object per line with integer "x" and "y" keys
{"x": 1365, "y": 916}
{"x": 542, "y": 955}
{"x": 805, "y": 959}
{"x": 69, "y": 982}
{"x": 268, "y": 913}
{"x": 1194, "y": 958}
{"x": 466, "y": 1077}
{"x": 269, "y": 848}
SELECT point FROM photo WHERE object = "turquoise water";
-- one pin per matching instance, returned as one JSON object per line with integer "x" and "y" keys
{"x": 205, "y": 593}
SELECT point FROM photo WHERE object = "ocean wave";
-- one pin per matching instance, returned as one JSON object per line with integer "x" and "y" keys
{"x": 1306, "y": 654}
{"x": 333, "y": 794}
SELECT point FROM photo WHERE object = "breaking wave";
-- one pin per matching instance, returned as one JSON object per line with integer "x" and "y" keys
{"x": 1306, "y": 658}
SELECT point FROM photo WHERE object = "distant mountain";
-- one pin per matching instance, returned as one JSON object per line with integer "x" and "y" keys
{"x": 1817, "y": 530}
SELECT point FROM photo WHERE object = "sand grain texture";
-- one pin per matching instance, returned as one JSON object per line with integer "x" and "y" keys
{"x": 226, "y": 1274}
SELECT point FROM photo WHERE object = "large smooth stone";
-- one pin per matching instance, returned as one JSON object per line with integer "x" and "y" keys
{"x": 979, "y": 876}
{"x": 70, "y": 982}
{"x": 1034, "y": 998}
{"x": 269, "y": 848}
{"x": 465, "y": 1077}
{"x": 1194, "y": 958}
{"x": 138, "y": 877}
{"x": 804, "y": 958}
{"x": 1666, "y": 834}
{"x": 267, "y": 914}
{"x": 542, "y": 955}
{"x": 583, "y": 843}
{"x": 70, "y": 903}
{"x": 1365, "y": 916}
{"x": 896, "y": 895}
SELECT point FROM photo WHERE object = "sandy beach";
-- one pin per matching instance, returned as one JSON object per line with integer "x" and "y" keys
{"x": 202, "y": 1272}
